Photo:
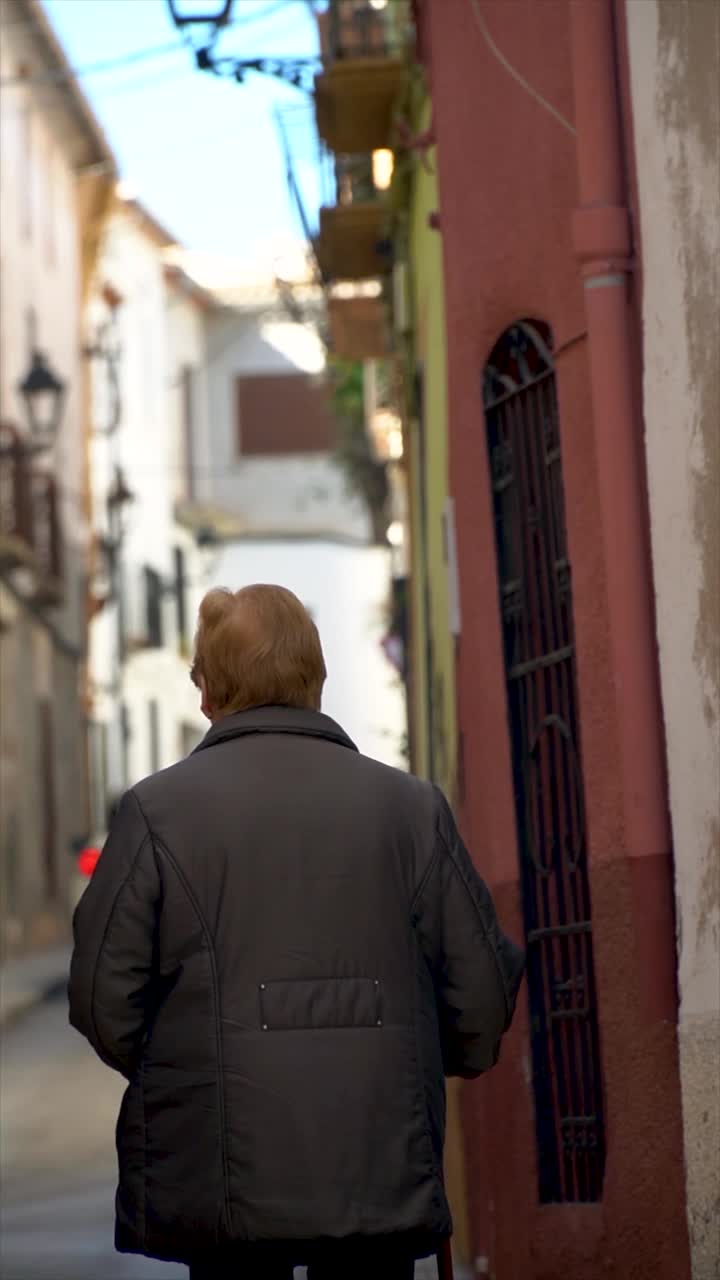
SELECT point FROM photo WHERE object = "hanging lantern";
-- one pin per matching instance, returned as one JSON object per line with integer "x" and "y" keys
{"x": 44, "y": 395}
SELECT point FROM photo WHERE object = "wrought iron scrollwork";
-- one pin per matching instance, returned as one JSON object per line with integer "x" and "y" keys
{"x": 521, "y": 356}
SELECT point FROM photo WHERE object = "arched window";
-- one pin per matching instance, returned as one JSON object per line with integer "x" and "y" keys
{"x": 537, "y": 624}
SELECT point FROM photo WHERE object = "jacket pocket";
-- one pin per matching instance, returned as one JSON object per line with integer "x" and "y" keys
{"x": 316, "y": 1003}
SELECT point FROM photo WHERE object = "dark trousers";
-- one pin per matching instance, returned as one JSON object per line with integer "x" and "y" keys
{"x": 328, "y": 1262}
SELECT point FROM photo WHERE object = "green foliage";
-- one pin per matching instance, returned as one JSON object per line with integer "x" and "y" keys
{"x": 346, "y": 380}
{"x": 365, "y": 474}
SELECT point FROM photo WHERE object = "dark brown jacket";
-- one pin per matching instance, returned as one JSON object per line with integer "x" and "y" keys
{"x": 284, "y": 948}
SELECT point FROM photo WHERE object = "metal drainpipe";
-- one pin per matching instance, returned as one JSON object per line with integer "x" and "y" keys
{"x": 603, "y": 245}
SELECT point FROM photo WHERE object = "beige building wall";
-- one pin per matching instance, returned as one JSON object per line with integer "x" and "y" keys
{"x": 675, "y": 76}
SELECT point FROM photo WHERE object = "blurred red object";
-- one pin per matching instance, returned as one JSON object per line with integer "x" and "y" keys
{"x": 87, "y": 861}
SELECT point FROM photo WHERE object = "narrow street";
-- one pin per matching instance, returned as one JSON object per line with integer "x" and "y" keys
{"x": 358, "y": 423}
{"x": 58, "y": 1107}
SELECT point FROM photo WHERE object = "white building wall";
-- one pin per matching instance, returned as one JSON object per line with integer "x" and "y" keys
{"x": 347, "y": 590}
{"x": 675, "y": 77}
{"x": 186, "y": 321}
{"x": 159, "y": 333}
{"x": 299, "y": 493}
{"x": 298, "y": 526}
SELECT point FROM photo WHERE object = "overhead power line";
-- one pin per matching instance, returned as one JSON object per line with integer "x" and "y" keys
{"x": 95, "y": 68}
{"x": 128, "y": 59}
{"x": 151, "y": 81}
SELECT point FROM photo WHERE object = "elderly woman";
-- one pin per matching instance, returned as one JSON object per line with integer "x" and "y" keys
{"x": 284, "y": 949}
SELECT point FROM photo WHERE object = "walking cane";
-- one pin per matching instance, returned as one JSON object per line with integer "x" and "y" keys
{"x": 444, "y": 1261}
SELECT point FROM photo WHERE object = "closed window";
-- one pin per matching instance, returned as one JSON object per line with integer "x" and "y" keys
{"x": 153, "y": 608}
{"x": 49, "y": 207}
{"x": 180, "y": 597}
{"x": 48, "y": 795}
{"x": 282, "y": 414}
{"x": 25, "y": 185}
{"x": 187, "y": 393}
{"x": 98, "y": 749}
{"x": 154, "y": 735}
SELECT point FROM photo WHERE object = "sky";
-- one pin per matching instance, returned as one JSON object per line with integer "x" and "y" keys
{"x": 202, "y": 153}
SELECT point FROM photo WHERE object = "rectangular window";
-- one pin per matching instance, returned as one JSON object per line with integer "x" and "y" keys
{"x": 154, "y": 735}
{"x": 98, "y": 744}
{"x": 282, "y": 414}
{"x": 26, "y": 185}
{"x": 48, "y": 210}
{"x": 125, "y": 736}
{"x": 180, "y": 597}
{"x": 48, "y": 795}
{"x": 31, "y": 338}
{"x": 153, "y": 608}
{"x": 119, "y": 587}
{"x": 187, "y": 391}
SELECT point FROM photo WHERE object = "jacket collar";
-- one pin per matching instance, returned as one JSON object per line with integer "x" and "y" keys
{"x": 310, "y": 724}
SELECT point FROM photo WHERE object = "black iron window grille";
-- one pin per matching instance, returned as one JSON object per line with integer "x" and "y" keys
{"x": 537, "y": 623}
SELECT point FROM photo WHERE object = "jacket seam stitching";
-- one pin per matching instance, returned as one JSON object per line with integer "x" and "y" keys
{"x": 145, "y": 1148}
{"x": 435, "y": 1171}
{"x": 216, "y": 1003}
{"x": 146, "y": 838}
{"x": 483, "y": 923}
{"x": 425, "y": 880}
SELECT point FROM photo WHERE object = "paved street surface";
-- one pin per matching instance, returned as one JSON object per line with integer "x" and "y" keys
{"x": 27, "y": 980}
{"x": 58, "y": 1107}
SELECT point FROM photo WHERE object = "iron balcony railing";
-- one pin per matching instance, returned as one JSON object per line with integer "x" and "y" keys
{"x": 341, "y": 182}
{"x": 30, "y": 536}
{"x": 356, "y": 29}
{"x": 16, "y": 528}
{"x": 46, "y": 534}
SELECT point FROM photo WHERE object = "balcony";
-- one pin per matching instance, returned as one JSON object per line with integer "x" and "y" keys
{"x": 358, "y": 328}
{"x": 48, "y": 589}
{"x": 352, "y": 243}
{"x": 30, "y": 540}
{"x": 16, "y": 534}
{"x": 355, "y": 93}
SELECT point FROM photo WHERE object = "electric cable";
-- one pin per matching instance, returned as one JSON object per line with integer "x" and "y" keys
{"x": 129, "y": 59}
{"x": 516, "y": 75}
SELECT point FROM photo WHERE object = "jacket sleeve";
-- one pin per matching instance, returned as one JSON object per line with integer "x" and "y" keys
{"x": 476, "y": 970}
{"x": 114, "y": 928}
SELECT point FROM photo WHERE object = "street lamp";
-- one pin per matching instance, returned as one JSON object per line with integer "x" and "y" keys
{"x": 44, "y": 394}
{"x": 106, "y": 350}
{"x": 212, "y": 22}
{"x": 117, "y": 501}
{"x": 219, "y": 18}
